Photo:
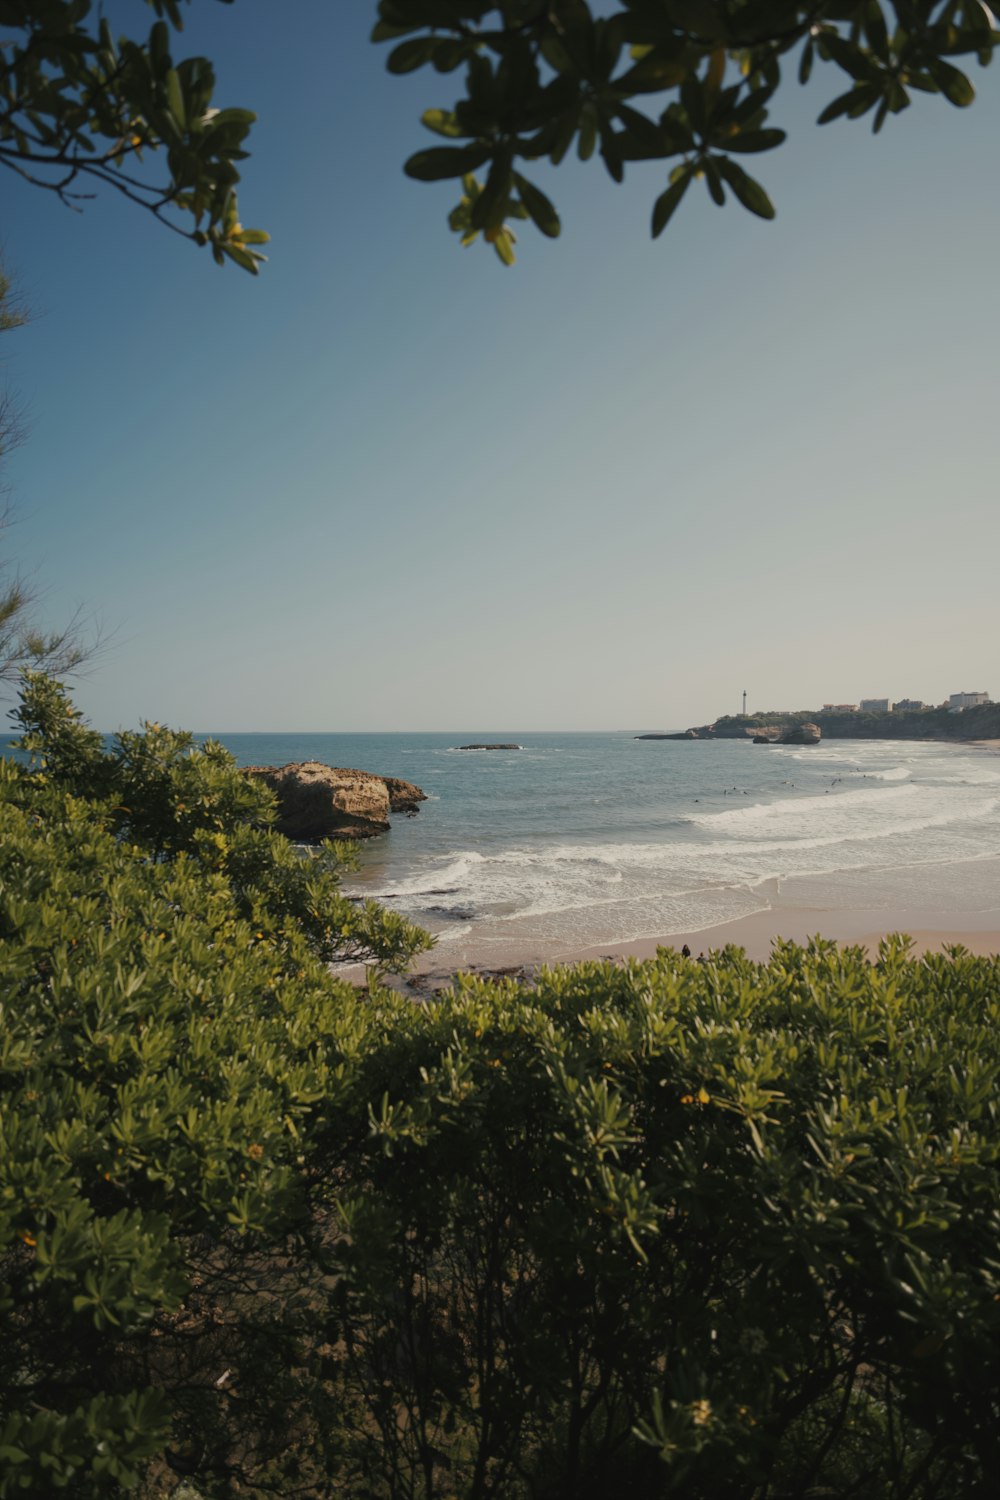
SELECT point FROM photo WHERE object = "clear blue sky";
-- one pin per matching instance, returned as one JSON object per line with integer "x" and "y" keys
{"x": 390, "y": 485}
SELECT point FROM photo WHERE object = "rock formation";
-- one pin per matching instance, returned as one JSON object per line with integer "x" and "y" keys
{"x": 316, "y": 801}
{"x": 802, "y": 734}
{"x": 489, "y": 747}
{"x": 787, "y": 734}
{"x": 403, "y": 795}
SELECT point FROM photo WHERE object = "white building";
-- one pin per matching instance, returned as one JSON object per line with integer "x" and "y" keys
{"x": 875, "y": 705}
{"x": 967, "y": 700}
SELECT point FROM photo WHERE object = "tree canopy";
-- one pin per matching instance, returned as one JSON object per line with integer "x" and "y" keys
{"x": 83, "y": 109}
{"x": 685, "y": 82}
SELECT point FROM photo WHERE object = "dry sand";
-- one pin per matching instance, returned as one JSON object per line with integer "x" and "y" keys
{"x": 757, "y": 934}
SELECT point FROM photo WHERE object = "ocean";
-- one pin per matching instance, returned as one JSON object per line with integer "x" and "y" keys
{"x": 577, "y": 840}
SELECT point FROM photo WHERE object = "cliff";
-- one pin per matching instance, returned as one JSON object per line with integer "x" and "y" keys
{"x": 981, "y": 723}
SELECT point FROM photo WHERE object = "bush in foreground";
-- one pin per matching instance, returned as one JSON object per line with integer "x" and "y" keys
{"x": 169, "y": 1030}
{"x": 711, "y": 1229}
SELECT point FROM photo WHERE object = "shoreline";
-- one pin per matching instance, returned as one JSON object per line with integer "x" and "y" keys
{"x": 978, "y": 933}
{"x": 842, "y": 906}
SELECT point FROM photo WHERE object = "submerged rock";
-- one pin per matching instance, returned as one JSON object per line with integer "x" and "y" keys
{"x": 316, "y": 801}
{"x": 489, "y": 747}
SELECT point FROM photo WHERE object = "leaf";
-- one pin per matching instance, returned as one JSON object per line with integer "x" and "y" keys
{"x": 385, "y": 31}
{"x": 234, "y": 116}
{"x": 849, "y": 57}
{"x": 954, "y": 85}
{"x": 713, "y": 180}
{"x": 439, "y": 162}
{"x": 839, "y": 106}
{"x": 442, "y": 122}
{"x": 875, "y": 30}
{"x": 543, "y": 213}
{"x": 646, "y": 132}
{"x": 588, "y": 133}
{"x": 666, "y": 204}
{"x": 244, "y": 258}
{"x": 806, "y": 62}
{"x": 412, "y": 54}
{"x": 175, "y": 98}
{"x": 755, "y": 140}
{"x": 749, "y": 192}
{"x": 503, "y": 244}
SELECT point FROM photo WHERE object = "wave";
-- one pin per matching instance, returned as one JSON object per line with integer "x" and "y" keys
{"x": 438, "y": 881}
{"x": 599, "y": 849}
{"x": 794, "y": 812}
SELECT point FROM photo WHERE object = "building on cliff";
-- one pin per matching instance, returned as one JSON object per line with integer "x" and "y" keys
{"x": 876, "y": 705}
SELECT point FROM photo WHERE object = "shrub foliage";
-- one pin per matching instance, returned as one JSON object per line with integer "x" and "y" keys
{"x": 711, "y": 1229}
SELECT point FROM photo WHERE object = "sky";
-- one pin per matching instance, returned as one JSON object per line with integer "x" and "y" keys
{"x": 390, "y": 485}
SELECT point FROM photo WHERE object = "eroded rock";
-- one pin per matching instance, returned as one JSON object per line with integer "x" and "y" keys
{"x": 317, "y": 801}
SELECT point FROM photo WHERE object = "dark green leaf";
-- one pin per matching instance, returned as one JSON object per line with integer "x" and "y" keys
{"x": 954, "y": 85}
{"x": 875, "y": 30}
{"x": 749, "y": 192}
{"x": 666, "y": 203}
{"x": 413, "y": 54}
{"x": 848, "y": 56}
{"x": 646, "y": 132}
{"x": 713, "y": 181}
{"x": 588, "y": 133}
{"x": 542, "y": 212}
{"x": 445, "y": 161}
{"x": 806, "y": 62}
{"x": 754, "y": 140}
{"x": 839, "y": 106}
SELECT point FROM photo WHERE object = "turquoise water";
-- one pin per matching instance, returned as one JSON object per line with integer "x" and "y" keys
{"x": 580, "y": 839}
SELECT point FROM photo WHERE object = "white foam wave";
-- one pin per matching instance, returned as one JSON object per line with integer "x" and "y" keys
{"x": 801, "y": 812}
{"x": 455, "y": 873}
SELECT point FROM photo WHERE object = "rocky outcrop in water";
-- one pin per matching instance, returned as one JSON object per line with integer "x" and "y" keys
{"x": 802, "y": 734}
{"x": 489, "y": 747}
{"x": 403, "y": 795}
{"x": 795, "y": 734}
{"x": 316, "y": 801}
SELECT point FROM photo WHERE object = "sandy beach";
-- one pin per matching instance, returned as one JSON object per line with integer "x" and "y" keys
{"x": 756, "y": 934}
{"x": 851, "y": 844}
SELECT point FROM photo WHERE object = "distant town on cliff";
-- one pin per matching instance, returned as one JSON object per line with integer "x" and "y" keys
{"x": 963, "y": 716}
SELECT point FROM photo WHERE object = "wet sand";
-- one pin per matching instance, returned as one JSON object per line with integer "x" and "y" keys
{"x": 978, "y": 934}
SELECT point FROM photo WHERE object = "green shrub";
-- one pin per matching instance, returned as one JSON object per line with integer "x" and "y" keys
{"x": 168, "y": 1026}
{"x": 717, "y": 1229}
{"x": 712, "y": 1229}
